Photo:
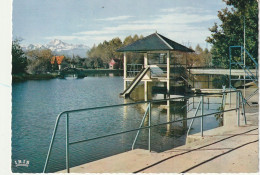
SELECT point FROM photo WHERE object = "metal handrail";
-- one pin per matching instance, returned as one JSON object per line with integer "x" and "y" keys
{"x": 250, "y": 56}
{"x": 187, "y": 105}
{"x": 127, "y": 131}
{"x": 133, "y": 69}
{"x": 245, "y": 68}
{"x": 137, "y": 134}
{"x": 191, "y": 123}
{"x": 135, "y": 64}
{"x": 254, "y": 78}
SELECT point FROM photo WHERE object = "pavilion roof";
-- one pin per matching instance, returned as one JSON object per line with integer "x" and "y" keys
{"x": 154, "y": 42}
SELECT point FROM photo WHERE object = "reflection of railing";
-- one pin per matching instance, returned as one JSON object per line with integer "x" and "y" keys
{"x": 133, "y": 69}
{"x": 67, "y": 113}
{"x": 200, "y": 105}
{"x": 194, "y": 116}
{"x": 148, "y": 110}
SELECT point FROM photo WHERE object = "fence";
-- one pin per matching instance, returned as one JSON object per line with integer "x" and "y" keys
{"x": 238, "y": 103}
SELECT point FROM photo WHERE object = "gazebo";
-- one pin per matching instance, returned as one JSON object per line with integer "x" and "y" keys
{"x": 159, "y": 69}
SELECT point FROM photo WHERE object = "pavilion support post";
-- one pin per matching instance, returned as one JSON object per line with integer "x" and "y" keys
{"x": 168, "y": 91}
{"x": 169, "y": 118}
{"x": 145, "y": 60}
{"x": 168, "y": 74}
{"x": 145, "y": 82}
{"x": 125, "y": 70}
{"x": 125, "y": 85}
{"x": 145, "y": 90}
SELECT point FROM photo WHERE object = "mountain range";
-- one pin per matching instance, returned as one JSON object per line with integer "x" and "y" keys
{"x": 61, "y": 48}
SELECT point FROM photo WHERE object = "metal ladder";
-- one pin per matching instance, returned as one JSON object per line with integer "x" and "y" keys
{"x": 249, "y": 76}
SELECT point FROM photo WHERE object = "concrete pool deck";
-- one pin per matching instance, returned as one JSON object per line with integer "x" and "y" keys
{"x": 227, "y": 149}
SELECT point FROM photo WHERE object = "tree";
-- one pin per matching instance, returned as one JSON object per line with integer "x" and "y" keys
{"x": 40, "y": 61}
{"x": 136, "y": 58}
{"x": 101, "y": 55}
{"x": 115, "y": 44}
{"x": 19, "y": 59}
{"x": 201, "y": 58}
{"x": 230, "y": 32}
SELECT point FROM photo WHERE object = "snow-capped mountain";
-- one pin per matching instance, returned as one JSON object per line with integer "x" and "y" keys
{"x": 61, "y": 48}
{"x": 34, "y": 46}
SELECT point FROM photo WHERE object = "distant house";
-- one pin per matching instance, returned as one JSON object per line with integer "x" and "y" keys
{"x": 114, "y": 63}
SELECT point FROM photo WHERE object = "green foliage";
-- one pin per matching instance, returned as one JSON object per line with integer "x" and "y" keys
{"x": 220, "y": 81}
{"x": 40, "y": 61}
{"x": 100, "y": 56}
{"x": 201, "y": 58}
{"x": 23, "y": 77}
{"x": 135, "y": 58}
{"x": 230, "y": 32}
{"x": 19, "y": 59}
{"x": 75, "y": 61}
{"x": 93, "y": 63}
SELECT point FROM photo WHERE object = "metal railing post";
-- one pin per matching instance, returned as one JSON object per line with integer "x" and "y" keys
{"x": 223, "y": 103}
{"x": 51, "y": 144}
{"x": 191, "y": 123}
{"x": 67, "y": 143}
{"x": 230, "y": 83}
{"x": 137, "y": 134}
{"x": 238, "y": 106}
{"x": 201, "y": 121}
{"x": 149, "y": 141}
{"x": 230, "y": 98}
{"x": 193, "y": 82}
{"x": 148, "y": 110}
{"x": 243, "y": 107}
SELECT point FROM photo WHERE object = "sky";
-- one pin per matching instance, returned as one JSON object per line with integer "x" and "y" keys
{"x": 93, "y": 21}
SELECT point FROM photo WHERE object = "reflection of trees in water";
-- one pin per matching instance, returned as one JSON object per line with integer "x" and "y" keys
{"x": 138, "y": 92}
{"x": 210, "y": 81}
{"x": 219, "y": 117}
{"x": 177, "y": 111}
{"x": 171, "y": 135}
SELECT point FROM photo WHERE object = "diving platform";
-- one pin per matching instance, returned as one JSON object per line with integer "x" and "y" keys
{"x": 159, "y": 64}
{"x": 235, "y": 72}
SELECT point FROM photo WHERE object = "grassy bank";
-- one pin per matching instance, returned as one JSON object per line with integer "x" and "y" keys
{"x": 24, "y": 77}
{"x": 82, "y": 73}
{"x": 101, "y": 71}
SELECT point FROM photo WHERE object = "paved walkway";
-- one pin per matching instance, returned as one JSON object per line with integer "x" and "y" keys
{"x": 233, "y": 151}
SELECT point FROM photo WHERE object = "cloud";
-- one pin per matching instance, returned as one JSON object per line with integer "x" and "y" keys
{"x": 115, "y": 18}
{"x": 63, "y": 37}
{"x": 131, "y": 27}
{"x": 93, "y": 32}
{"x": 182, "y": 18}
{"x": 179, "y": 24}
{"x": 185, "y": 10}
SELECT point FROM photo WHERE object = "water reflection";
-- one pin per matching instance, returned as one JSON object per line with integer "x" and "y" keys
{"x": 173, "y": 134}
{"x": 32, "y": 126}
{"x": 208, "y": 81}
